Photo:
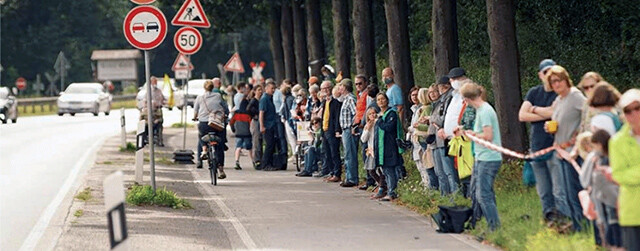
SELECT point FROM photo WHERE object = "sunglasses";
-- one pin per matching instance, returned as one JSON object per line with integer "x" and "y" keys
{"x": 629, "y": 110}
{"x": 587, "y": 87}
{"x": 359, "y": 83}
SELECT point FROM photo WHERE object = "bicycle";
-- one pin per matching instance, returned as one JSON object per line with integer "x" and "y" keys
{"x": 212, "y": 140}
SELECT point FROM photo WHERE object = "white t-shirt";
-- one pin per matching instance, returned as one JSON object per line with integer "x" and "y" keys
{"x": 453, "y": 113}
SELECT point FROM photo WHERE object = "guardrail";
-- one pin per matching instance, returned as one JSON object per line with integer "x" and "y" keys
{"x": 51, "y": 102}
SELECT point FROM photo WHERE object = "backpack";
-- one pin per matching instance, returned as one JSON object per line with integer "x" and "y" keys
{"x": 615, "y": 118}
{"x": 451, "y": 219}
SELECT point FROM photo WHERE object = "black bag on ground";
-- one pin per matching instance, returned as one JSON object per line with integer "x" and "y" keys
{"x": 451, "y": 219}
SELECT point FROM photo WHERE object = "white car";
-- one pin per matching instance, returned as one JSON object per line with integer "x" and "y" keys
{"x": 142, "y": 91}
{"x": 8, "y": 106}
{"x": 195, "y": 88}
{"x": 84, "y": 97}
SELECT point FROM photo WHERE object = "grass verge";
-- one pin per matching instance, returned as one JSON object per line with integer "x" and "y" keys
{"x": 181, "y": 125}
{"x": 78, "y": 213}
{"x": 130, "y": 148}
{"x": 84, "y": 195}
{"x": 522, "y": 226}
{"x": 144, "y": 196}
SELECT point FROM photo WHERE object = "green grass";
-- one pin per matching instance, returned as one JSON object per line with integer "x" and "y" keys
{"x": 144, "y": 196}
{"x": 84, "y": 195}
{"x": 522, "y": 226}
{"x": 181, "y": 125}
{"x": 78, "y": 213}
{"x": 107, "y": 162}
{"x": 130, "y": 148}
{"x": 44, "y": 110}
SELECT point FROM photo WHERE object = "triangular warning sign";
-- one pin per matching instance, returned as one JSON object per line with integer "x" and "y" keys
{"x": 181, "y": 63}
{"x": 191, "y": 14}
{"x": 234, "y": 64}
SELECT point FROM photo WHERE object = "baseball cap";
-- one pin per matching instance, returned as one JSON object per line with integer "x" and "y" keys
{"x": 456, "y": 72}
{"x": 546, "y": 64}
{"x": 444, "y": 80}
{"x": 630, "y": 96}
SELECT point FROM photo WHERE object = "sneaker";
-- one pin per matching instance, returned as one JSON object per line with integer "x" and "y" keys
{"x": 321, "y": 175}
{"x": 204, "y": 156}
{"x": 303, "y": 174}
{"x": 222, "y": 175}
{"x": 347, "y": 184}
{"x": 387, "y": 198}
{"x": 199, "y": 166}
{"x": 238, "y": 166}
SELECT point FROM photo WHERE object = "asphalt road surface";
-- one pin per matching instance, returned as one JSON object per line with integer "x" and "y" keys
{"x": 40, "y": 160}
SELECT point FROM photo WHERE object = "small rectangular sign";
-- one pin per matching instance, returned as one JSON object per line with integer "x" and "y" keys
{"x": 182, "y": 74}
{"x": 117, "y": 69}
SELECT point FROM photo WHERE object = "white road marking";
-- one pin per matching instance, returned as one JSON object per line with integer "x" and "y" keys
{"x": 206, "y": 189}
{"x": 43, "y": 222}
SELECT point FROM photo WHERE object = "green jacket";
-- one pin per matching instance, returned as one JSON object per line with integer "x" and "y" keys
{"x": 625, "y": 167}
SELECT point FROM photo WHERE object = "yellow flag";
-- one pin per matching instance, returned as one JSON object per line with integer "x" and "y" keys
{"x": 167, "y": 84}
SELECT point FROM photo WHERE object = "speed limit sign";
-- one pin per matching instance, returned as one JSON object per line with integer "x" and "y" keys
{"x": 188, "y": 40}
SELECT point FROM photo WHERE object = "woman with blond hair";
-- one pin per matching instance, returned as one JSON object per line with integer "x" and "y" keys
{"x": 587, "y": 84}
{"x": 565, "y": 123}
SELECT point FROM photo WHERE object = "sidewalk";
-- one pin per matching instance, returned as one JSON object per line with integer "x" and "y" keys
{"x": 248, "y": 210}
{"x": 149, "y": 228}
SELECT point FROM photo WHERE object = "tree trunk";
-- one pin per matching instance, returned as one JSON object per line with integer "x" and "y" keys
{"x": 275, "y": 39}
{"x": 505, "y": 75}
{"x": 300, "y": 43}
{"x": 397, "y": 14}
{"x": 363, "y": 38}
{"x": 315, "y": 39}
{"x": 445, "y": 36}
{"x": 341, "y": 38}
{"x": 286, "y": 28}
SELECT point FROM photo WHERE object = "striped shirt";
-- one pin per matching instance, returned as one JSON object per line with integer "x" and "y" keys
{"x": 347, "y": 111}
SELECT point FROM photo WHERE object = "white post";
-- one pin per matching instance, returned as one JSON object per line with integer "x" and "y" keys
{"x": 113, "y": 186}
{"x": 139, "y": 151}
{"x": 123, "y": 131}
{"x": 152, "y": 161}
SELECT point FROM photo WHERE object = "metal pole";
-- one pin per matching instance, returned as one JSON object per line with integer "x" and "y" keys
{"x": 62, "y": 68}
{"x": 184, "y": 110}
{"x": 236, "y": 76}
{"x": 152, "y": 161}
{"x": 1, "y": 2}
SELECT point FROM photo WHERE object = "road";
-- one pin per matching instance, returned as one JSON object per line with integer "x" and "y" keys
{"x": 40, "y": 159}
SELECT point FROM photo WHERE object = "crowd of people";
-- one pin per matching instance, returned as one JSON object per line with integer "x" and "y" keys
{"x": 590, "y": 175}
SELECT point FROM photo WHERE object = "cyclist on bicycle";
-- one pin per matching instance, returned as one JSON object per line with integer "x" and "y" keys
{"x": 207, "y": 103}
{"x": 157, "y": 100}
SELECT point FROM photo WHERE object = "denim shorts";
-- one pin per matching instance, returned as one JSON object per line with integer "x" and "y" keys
{"x": 244, "y": 143}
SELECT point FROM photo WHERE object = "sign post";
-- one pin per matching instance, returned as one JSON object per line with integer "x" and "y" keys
{"x": 145, "y": 27}
{"x": 123, "y": 131}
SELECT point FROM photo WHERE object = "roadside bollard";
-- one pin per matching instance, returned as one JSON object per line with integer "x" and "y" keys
{"x": 113, "y": 186}
{"x": 123, "y": 131}
{"x": 139, "y": 150}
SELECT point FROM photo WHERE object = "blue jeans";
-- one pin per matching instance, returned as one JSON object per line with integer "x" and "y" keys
{"x": 483, "y": 196}
{"x": 571, "y": 186}
{"x": 350, "y": 156}
{"x": 311, "y": 160}
{"x": 445, "y": 171}
{"x": 544, "y": 185}
{"x": 391, "y": 176}
{"x": 433, "y": 178}
{"x": 331, "y": 147}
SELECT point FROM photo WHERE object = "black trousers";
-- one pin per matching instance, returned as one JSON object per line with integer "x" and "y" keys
{"x": 269, "y": 138}
{"x": 331, "y": 146}
{"x": 631, "y": 238}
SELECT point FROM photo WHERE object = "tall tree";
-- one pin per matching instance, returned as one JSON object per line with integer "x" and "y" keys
{"x": 300, "y": 42}
{"x": 286, "y": 28}
{"x": 363, "y": 38}
{"x": 445, "y": 36}
{"x": 397, "y": 12}
{"x": 275, "y": 39}
{"x": 315, "y": 39}
{"x": 505, "y": 76}
{"x": 341, "y": 39}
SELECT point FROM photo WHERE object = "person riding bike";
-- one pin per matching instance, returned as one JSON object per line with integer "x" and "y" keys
{"x": 157, "y": 100}
{"x": 210, "y": 102}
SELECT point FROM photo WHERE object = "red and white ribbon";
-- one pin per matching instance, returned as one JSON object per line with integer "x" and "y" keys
{"x": 509, "y": 152}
